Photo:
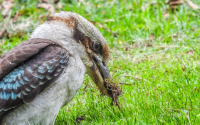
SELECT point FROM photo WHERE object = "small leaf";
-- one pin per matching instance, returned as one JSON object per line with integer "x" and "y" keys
{"x": 192, "y": 5}
{"x": 6, "y": 5}
{"x": 47, "y": 6}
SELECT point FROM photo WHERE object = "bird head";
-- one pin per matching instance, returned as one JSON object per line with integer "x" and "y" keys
{"x": 82, "y": 39}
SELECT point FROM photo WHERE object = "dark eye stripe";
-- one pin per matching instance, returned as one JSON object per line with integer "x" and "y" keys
{"x": 85, "y": 40}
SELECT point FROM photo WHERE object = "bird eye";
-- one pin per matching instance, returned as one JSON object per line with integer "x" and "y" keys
{"x": 96, "y": 46}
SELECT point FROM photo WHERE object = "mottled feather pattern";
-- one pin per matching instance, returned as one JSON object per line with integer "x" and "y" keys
{"x": 21, "y": 53}
{"x": 31, "y": 77}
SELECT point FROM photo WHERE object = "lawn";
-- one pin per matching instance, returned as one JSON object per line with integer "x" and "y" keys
{"x": 155, "y": 56}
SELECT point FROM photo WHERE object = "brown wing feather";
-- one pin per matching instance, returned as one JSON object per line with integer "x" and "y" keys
{"x": 21, "y": 53}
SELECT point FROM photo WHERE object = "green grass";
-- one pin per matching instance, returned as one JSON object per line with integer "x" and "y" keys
{"x": 156, "y": 56}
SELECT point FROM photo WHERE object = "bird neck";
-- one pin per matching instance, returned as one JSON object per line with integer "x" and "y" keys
{"x": 56, "y": 31}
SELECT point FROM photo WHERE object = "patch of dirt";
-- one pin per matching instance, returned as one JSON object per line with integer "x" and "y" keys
{"x": 114, "y": 91}
{"x": 79, "y": 119}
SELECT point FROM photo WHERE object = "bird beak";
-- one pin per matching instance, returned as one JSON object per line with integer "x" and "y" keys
{"x": 99, "y": 73}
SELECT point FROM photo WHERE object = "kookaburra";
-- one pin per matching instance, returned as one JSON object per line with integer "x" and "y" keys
{"x": 41, "y": 75}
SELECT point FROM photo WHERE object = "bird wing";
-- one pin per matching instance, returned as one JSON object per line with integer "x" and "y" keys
{"x": 27, "y": 70}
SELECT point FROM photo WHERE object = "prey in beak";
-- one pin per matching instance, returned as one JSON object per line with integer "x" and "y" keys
{"x": 102, "y": 78}
{"x": 97, "y": 56}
